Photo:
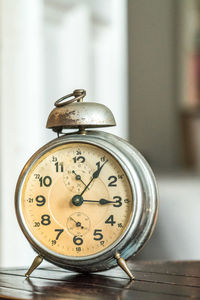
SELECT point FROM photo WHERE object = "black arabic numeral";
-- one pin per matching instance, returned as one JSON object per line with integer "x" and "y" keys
{"x": 110, "y": 220}
{"x": 46, "y": 181}
{"x": 80, "y": 159}
{"x": 45, "y": 220}
{"x": 59, "y": 167}
{"x": 98, "y": 235}
{"x": 40, "y": 200}
{"x": 118, "y": 201}
{"x": 59, "y": 232}
{"x": 112, "y": 179}
{"x": 77, "y": 240}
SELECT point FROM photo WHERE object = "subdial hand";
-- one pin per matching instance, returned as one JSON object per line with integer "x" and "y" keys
{"x": 78, "y": 224}
{"x": 94, "y": 176}
{"x": 78, "y": 177}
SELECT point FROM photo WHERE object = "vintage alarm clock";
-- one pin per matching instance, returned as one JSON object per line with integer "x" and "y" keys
{"x": 87, "y": 200}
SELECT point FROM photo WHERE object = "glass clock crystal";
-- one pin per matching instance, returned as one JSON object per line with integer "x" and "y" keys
{"x": 87, "y": 200}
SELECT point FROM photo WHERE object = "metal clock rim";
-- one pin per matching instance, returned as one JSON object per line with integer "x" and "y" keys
{"x": 31, "y": 237}
{"x": 36, "y": 245}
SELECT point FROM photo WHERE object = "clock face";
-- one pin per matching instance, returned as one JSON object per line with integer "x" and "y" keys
{"x": 76, "y": 200}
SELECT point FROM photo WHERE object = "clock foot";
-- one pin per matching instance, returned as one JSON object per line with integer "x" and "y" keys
{"x": 122, "y": 263}
{"x": 37, "y": 261}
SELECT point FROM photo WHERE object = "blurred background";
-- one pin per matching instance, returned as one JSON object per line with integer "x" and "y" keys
{"x": 141, "y": 59}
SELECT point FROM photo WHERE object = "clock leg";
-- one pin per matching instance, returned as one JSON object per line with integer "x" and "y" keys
{"x": 37, "y": 261}
{"x": 122, "y": 263}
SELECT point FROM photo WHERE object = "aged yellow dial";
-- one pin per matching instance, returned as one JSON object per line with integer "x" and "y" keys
{"x": 77, "y": 200}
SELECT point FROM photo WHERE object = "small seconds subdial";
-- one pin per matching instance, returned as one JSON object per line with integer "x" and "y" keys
{"x": 78, "y": 224}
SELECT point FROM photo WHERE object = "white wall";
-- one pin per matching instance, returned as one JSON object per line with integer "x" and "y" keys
{"x": 93, "y": 56}
{"x": 47, "y": 49}
{"x": 21, "y": 96}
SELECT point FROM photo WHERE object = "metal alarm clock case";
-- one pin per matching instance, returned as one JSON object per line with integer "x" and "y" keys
{"x": 87, "y": 200}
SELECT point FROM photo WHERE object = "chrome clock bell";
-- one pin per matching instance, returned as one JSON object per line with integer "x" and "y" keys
{"x": 86, "y": 201}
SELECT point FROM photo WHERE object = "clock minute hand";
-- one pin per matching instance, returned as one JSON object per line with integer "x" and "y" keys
{"x": 87, "y": 186}
{"x": 94, "y": 176}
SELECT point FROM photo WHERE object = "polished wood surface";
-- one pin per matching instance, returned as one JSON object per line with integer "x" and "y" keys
{"x": 153, "y": 280}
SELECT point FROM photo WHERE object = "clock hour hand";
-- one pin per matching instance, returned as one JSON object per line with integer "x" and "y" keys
{"x": 101, "y": 201}
{"x": 94, "y": 175}
{"x": 78, "y": 200}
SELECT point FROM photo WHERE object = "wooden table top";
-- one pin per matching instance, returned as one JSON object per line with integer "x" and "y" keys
{"x": 153, "y": 280}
